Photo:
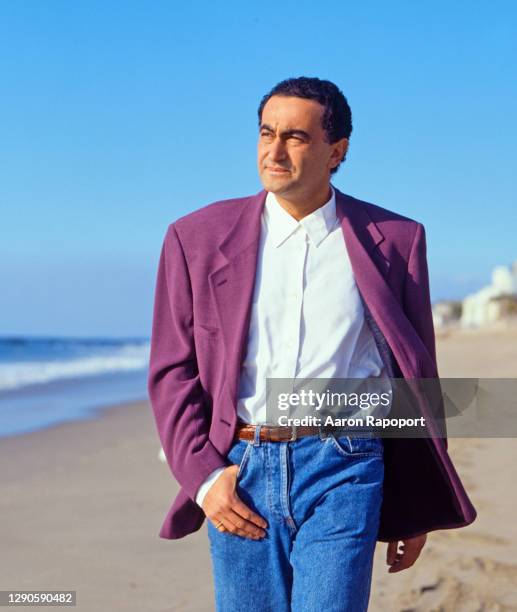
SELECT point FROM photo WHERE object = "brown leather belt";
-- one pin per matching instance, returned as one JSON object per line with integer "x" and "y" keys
{"x": 270, "y": 433}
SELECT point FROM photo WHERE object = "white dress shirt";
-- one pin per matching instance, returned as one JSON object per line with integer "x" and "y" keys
{"x": 307, "y": 317}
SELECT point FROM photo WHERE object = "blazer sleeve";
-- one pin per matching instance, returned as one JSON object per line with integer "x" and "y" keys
{"x": 173, "y": 384}
{"x": 417, "y": 305}
{"x": 417, "y": 298}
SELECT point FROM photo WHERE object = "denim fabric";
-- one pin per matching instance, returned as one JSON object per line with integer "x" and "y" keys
{"x": 321, "y": 496}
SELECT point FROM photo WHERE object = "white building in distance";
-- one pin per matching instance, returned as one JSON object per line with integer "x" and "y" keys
{"x": 493, "y": 303}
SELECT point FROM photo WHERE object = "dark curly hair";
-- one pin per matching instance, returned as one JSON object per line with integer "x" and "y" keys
{"x": 337, "y": 116}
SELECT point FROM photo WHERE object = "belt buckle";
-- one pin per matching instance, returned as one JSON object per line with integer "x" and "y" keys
{"x": 294, "y": 434}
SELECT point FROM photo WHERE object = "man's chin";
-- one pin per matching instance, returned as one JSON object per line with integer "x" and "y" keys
{"x": 276, "y": 185}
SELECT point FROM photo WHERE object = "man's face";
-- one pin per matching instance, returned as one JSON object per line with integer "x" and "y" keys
{"x": 294, "y": 159}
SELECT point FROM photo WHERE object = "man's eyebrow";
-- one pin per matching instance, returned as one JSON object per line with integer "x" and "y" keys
{"x": 292, "y": 132}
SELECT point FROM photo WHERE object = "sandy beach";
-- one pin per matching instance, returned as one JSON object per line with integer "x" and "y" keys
{"x": 82, "y": 504}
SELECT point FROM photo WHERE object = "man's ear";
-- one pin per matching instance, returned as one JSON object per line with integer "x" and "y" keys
{"x": 340, "y": 148}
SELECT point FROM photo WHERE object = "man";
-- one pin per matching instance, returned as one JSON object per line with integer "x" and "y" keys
{"x": 297, "y": 281}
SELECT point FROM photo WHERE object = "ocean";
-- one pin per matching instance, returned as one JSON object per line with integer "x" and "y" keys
{"x": 46, "y": 381}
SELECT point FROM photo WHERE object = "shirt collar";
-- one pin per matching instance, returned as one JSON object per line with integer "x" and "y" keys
{"x": 281, "y": 225}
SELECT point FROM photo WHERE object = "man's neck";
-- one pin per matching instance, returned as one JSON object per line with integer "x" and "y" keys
{"x": 301, "y": 207}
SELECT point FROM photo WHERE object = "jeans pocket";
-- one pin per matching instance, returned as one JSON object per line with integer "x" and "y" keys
{"x": 350, "y": 446}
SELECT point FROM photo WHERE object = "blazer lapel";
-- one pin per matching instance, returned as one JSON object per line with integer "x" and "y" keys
{"x": 362, "y": 238}
{"x": 232, "y": 284}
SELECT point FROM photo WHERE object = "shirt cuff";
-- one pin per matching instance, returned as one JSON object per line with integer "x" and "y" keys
{"x": 203, "y": 489}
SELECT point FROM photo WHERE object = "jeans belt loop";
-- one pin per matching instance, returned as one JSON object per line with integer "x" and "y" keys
{"x": 256, "y": 438}
{"x": 294, "y": 434}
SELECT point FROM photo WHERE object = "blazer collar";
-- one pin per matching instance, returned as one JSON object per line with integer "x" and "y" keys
{"x": 245, "y": 231}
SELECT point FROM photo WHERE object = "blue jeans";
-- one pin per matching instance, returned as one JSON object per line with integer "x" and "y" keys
{"x": 321, "y": 496}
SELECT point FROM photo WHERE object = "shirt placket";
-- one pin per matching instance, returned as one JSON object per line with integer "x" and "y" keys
{"x": 292, "y": 328}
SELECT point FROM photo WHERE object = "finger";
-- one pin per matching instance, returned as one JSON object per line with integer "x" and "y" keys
{"x": 398, "y": 567}
{"x": 218, "y": 523}
{"x": 244, "y": 527}
{"x": 403, "y": 561}
{"x": 240, "y": 508}
{"x": 235, "y": 530}
{"x": 391, "y": 553}
{"x": 230, "y": 522}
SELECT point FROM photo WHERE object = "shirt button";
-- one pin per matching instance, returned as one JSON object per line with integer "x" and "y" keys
{"x": 290, "y": 344}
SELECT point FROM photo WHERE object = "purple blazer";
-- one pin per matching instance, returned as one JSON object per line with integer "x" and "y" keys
{"x": 202, "y": 308}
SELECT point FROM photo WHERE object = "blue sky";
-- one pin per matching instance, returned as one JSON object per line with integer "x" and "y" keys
{"x": 119, "y": 117}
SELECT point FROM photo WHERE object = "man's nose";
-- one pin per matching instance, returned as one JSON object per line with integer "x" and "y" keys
{"x": 277, "y": 149}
